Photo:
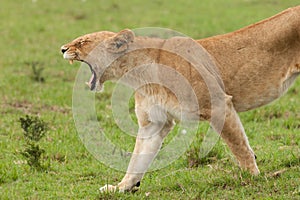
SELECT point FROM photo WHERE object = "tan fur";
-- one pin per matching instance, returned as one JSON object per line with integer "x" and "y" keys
{"x": 257, "y": 61}
{"x": 257, "y": 65}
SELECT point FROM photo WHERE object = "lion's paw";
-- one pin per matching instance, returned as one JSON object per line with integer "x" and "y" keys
{"x": 108, "y": 188}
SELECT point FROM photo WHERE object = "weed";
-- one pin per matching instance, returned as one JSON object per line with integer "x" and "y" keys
{"x": 34, "y": 130}
{"x": 37, "y": 71}
{"x": 33, "y": 154}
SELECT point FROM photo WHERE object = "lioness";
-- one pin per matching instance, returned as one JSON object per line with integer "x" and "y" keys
{"x": 257, "y": 64}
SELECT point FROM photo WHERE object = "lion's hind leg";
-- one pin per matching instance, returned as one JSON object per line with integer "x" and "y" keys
{"x": 234, "y": 135}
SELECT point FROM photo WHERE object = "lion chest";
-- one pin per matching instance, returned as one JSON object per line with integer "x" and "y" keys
{"x": 160, "y": 100}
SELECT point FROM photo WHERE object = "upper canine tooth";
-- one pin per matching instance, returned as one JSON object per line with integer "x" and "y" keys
{"x": 71, "y": 62}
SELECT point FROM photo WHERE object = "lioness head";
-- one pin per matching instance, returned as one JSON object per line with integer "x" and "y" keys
{"x": 92, "y": 47}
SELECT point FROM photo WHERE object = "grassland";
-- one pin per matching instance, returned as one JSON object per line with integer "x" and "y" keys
{"x": 31, "y": 35}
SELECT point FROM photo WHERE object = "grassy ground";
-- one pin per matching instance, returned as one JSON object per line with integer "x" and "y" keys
{"x": 31, "y": 35}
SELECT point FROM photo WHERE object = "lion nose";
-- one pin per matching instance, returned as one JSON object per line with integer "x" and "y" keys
{"x": 64, "y": 49}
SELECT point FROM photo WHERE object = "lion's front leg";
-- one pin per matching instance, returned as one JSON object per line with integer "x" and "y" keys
{"x": 148, "y": 144}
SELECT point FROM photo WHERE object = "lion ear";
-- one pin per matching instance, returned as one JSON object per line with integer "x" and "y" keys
{"x": 119, "y": 42}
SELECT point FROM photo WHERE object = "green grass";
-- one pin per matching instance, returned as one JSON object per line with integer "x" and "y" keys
{"x": 32, "y": 33}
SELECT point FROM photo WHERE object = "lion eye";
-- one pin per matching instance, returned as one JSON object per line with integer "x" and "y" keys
{"x": 82, "y": 42}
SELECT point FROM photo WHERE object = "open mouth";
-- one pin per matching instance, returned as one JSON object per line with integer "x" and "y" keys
{"x": 93, "y": 80}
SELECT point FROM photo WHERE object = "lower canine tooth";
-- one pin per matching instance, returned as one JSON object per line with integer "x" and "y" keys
{"x": 88, "y": 84}
{"x": 71, "y": 62}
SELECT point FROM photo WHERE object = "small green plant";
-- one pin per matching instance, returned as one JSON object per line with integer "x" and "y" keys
{"x": 37, "y": 71}
{"x": 34, "y": 130}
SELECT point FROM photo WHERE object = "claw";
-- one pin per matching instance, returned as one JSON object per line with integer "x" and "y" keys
{"x": 108, "y": 188}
